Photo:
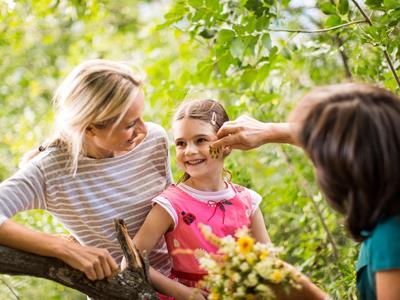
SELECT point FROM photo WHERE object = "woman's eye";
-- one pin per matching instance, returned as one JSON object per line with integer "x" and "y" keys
{"x": 131, "y": 125}
{"x": 179, "y": 144}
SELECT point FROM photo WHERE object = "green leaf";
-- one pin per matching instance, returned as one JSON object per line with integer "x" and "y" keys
{"x": 237, "y": 48}
{"x": 224, "y": 62}
{"x": 391, "y": 4}
{"x": 333, "y": 20}
{"x": 225, "y": 36}
{"x": 266, "y": 41}
{"x": 343, "y": 7}
{"x": 204, "y": 70}
{"x": 213, "y": 5}
{"x": 196, "y": 3}
{"x": 374, "y": 4}
{"x": 328, "y": 9}
{"x": 208, "y": 33}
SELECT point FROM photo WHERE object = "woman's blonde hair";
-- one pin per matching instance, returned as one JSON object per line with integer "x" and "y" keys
{"x": 96, "y": 92}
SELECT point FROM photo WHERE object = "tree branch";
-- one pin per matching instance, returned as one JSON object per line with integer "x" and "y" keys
{"x": 318, "y": 30}
{"x": 132, "y": 283}
{"x": 386, "y": 54}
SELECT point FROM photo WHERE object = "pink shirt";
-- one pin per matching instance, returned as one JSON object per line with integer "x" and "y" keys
{"x": 223, "y": 216}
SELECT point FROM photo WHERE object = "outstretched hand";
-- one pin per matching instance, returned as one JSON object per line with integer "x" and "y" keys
{"x": 246, "y": 133}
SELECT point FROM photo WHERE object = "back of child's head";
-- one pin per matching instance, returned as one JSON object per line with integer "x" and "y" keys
{"x": 351, "y": 132}
{"x": 97, "y": 93}
{"x": 206, "y": 110}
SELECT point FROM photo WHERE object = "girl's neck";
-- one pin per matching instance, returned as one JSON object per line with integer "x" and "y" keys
{"x": 206, "y": 185}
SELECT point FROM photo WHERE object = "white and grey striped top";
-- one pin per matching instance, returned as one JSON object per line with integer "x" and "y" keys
{"x": 102, "y": 190}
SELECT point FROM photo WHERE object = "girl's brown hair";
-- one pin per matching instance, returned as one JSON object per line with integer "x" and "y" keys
{"x": 206, "y": 110}
{"x": 351, "y": 132}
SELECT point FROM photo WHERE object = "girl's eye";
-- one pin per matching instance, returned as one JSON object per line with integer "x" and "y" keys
{"x": 201, "y": 140}
{"x": 179, "y": 144}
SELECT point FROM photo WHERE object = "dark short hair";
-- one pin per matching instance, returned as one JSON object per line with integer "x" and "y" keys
{"x": 351, "y": 132}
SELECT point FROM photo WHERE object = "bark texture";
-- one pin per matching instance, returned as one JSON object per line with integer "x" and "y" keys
{"x": 132, "y": 283}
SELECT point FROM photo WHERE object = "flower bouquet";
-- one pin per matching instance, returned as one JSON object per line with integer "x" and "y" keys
{"x": 243, "y": 269}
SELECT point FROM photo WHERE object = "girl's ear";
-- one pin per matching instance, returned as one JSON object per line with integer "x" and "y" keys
{"x": 226, "y": 150}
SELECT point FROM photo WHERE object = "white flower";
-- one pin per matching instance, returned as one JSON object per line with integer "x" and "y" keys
{"x": 252, "y": 279}
{"x": 244, "y": 267}
{"x": 236, "y": 277}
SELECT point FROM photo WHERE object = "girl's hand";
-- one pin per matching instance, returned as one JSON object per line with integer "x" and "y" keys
{"x": 97, "y": 264}
{"x": 188, "y": 293}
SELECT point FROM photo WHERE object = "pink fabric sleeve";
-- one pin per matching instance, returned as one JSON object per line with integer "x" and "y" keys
{"x": 255, "y": 200}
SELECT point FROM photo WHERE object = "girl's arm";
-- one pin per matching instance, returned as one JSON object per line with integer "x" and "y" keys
{"x": 95, "y": 263}
{"x": 258, "y": 229}
{"x": 157, "y": 223}
{"x": 308, "y": 291}
{"x": 388, "y": 284}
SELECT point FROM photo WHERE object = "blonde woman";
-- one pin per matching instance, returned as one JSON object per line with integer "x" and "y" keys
{"x": 103, "y": 163}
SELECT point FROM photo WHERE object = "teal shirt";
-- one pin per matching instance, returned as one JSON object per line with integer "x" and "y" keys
{"x": 381, "y": 251}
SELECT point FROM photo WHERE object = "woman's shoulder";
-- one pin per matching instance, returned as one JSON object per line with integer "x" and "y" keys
{"x": 49, "y": 156}
{"x": 382, "y": 248}
{"x": 387, "y": 227}
{"x": 154, "y": 129}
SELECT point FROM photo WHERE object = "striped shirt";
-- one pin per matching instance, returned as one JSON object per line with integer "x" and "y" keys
{"x": 102, "y": 190}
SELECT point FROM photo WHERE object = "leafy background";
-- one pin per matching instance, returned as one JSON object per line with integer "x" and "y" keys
{"x": 258, "y": 57}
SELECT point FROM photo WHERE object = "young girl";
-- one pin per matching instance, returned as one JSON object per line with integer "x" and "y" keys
{"x": 204, "y": 195}
{"x": 351, "y": 132}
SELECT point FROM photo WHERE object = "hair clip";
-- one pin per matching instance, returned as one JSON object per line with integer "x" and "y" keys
{"x": 214, "y": 119}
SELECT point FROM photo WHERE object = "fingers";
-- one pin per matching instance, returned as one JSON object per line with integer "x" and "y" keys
{"x": 97, "y": 264}
{"x": 229, "y": 140}
{"x": 227, "y": 129}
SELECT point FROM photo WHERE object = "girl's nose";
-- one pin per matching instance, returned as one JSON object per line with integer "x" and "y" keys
{"x": 191, "y": 149}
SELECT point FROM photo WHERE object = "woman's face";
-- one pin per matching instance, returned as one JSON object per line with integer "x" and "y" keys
{"x": 118, "y": 138}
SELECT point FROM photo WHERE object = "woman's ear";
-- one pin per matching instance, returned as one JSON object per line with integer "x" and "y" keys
{"x": 90, "y": 130}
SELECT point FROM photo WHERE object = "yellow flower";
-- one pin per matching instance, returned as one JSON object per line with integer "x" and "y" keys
{"x": 276, "y": 276}
{"x": 251, "y": 258}
{"x": 214, "y": 296}
{"x": 245, "y": 244}
{"x": 264, "y": 254}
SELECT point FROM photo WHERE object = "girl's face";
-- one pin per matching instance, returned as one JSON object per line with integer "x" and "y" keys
{"x": 123, "y": 137}
{"x": 192, "y": 140}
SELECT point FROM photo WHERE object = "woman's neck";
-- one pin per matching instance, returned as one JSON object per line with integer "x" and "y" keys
{"x": 206, "y": 184}
{"x": 95, "y": 152}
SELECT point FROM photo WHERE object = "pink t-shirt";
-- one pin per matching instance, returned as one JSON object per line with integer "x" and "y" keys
{"x": 223, "y": 216}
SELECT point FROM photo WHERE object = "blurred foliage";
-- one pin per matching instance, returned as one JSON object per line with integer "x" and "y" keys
{"x": 242, "y": 52}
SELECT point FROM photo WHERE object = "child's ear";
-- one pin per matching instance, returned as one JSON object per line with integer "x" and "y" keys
{"x": 226, "y": 150}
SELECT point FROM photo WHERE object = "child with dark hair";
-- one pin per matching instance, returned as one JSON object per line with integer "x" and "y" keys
{"x": 351, "y": 132}
{"x": 204, "y": 195}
